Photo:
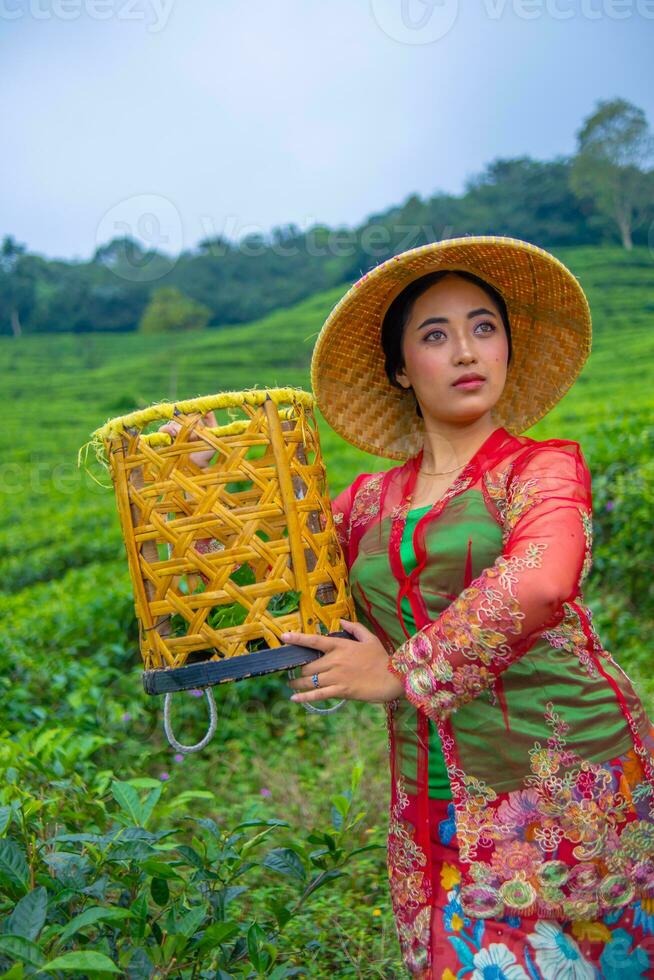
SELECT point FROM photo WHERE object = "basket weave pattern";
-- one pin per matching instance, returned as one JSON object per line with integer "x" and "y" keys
{"x": 261, "y": 503}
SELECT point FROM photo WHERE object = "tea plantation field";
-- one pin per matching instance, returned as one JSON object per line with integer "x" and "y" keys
{"x": 263, "y": 855}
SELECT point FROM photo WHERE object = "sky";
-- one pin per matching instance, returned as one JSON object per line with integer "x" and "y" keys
{"x": 177, "y": 120}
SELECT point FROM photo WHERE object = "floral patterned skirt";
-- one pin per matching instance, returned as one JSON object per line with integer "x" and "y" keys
{"x": 618, "y": 945}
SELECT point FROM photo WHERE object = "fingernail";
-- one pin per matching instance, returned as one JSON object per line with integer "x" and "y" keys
{"x": 293, "y": 697}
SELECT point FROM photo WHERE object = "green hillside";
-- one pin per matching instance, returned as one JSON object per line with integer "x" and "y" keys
{"x": 65, "y": 386}
{"x": 68, "y": 650}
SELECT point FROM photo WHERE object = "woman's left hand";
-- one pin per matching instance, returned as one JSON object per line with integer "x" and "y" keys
{"x": 353, "y": 669}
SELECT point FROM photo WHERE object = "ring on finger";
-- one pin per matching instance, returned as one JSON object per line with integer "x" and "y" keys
{"x": 315, "y": 680}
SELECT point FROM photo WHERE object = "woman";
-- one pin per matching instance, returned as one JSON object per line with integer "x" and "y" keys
{"x": 521, "y": 834}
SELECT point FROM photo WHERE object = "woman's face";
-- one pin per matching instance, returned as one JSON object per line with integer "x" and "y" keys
{"x": 455, "y": 328}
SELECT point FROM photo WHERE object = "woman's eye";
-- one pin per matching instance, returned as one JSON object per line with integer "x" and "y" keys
{"x": 483, "y": 323}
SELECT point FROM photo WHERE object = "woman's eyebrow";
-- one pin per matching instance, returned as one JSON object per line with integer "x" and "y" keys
{"x": 444, "y": 319}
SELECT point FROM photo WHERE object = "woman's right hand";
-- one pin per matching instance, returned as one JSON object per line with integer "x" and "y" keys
{"x": 204, "y": 456}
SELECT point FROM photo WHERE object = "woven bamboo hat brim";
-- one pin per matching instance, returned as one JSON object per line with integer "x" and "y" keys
{"x": 551, "y": 334}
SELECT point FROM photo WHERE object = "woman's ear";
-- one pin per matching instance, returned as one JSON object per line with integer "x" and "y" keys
{"x": 402, "y": 379}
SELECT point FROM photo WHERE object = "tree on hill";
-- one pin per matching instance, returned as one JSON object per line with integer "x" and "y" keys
{"x": 128, "y": 261}
{"x": 16, "y": 286}
{"x": 615, "y": 150}
{"x": 169, "y": 310}
{"x": 528, "y": 199}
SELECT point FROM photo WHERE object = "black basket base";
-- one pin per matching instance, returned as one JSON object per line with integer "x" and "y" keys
{"x": 207, "y": 673}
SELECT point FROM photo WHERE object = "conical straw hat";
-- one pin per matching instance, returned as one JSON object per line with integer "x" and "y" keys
{"x": 551, "y": 334}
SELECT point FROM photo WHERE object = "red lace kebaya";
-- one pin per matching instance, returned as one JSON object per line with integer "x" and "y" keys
{"x": 548, "y": 748}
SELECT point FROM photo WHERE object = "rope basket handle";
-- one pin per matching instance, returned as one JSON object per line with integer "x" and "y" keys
{"x": 213, "y": 719}
{"x": 211, "y": 731}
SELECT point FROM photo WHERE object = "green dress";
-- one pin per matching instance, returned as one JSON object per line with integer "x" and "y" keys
{"x": 438, "y": 780}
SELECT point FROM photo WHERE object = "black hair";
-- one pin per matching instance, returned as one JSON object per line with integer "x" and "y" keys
{"x": 399, "y": 312}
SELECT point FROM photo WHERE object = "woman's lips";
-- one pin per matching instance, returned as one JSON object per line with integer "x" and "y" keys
{"x": 473, "y": 383}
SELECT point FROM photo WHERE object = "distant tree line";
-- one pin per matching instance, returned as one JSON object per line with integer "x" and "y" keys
{"x": 604, "y": 193}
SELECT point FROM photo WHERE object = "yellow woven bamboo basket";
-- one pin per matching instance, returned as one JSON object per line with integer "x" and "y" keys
{"x": 225, "y": 558}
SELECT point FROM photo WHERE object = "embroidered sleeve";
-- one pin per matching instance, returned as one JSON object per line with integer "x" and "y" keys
{"x": 494, "y": 621}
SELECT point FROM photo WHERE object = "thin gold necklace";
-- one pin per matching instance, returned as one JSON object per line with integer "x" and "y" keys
{"x": 441, "y": 472}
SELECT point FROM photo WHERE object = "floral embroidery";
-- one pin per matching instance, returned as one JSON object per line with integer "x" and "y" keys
{"x": 566, "y": 799}
{"x": 407, "y": 852}
{"x": 366, "y": 501}
{"x": 587, "y": 521}
{"x": 342, "y": 532}
{"x": 496, "y": 488}
{"x": 513, "y": 856}
{"x": 511, "y": 499}
{"x": 557, "y": 953}
{"x": 474, "y": 627}
{"x": 569, "y": 637}
{"x": 410, "y": 885}
{"x": 400, "y": 511}
{"x": 460, "y": 484}
{"x": 521, "y": 495}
